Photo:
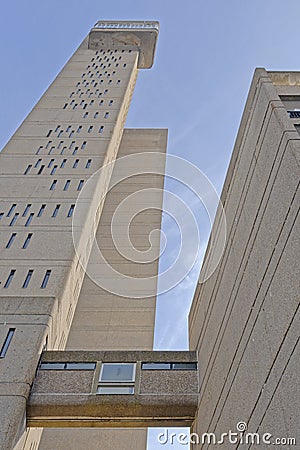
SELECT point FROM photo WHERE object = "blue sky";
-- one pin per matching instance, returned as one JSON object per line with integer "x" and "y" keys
{"x": 206, "y": 55}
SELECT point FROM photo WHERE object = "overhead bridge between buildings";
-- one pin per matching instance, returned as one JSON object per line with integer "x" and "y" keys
{"x": 114, "y": 389}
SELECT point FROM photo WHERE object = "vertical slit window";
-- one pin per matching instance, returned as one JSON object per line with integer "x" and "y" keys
{"x": 63, "y": 163}
{"x": 67, "y": 184}
{"x": 80, "y": 184}
{"x": 41, "y": 170}
{"x": 39, "y": 150}
{"x": 27, "y": 279}
{"x": 27, "y": 240}
{"x": 42, "y": 209}
{"x": 48, "y": 143}
{"x": 72, "y": 144}
{"x": 83, "y": 145}
{"x": 28, "y": 221}
{"x": 63, "y": 150}
{"x": 60, "y": 144}
{"x": 11, "y": 210}
{"x": 90, "y": 128}
{"x": 11, "y": 240}
{"x": 106, "y": 115}
{"x": 110, "y": 103}
{"x": 55, "y": 212}
{"x": 27, "y": 208}
{"x": 53, "y": 170}
{"x": 75, "y": 151}
{"x": 49, "y": 133}
{"x": 1, "y": 215}
{"x": 79, "y": 128}
{"x": 57, "y": 128}
{"x": 75, "y": 163}
{"x": 65, "y": 105}
{"x": 101, "y": 129}
{"x": 7, "y": 342}
{"x": 85, "y": 115}
{"x": 71, "y": 210}
{"x": 88, "y": 164}
{"x": 9, "y": 278}
{"x": 52, "y": 187}
{"x": 37, "y": 163}
{"x": 14, "y": 219}
{"x": 50, "y": 163}
{"x": 27, "y": 169}
{"x": 51, "y": 150}
{"x": 96, "y": 115}
{"x": 46, "y": 279}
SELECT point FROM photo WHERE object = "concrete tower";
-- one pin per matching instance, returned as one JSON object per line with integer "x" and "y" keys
{"x": 47, "y": 300}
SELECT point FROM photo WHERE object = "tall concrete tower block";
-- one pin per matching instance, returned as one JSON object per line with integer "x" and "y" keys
{"x": 49, "y": 299}
{"x": 244, "y": 320}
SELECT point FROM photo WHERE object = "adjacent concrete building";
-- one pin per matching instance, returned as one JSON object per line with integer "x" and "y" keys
{"x": 244, "y": 321}
{"x": 76, "y": 353}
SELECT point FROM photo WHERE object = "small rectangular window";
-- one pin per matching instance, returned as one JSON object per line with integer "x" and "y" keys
{"x": 57, "y": 128}
{"x": 85, "y": 115}
{"x": 27, "y": 208}
{"x": 48, "y": 143}
{"x": 60, "y": 144}
{"x": 71, "y": 210}
{"x": 80, "y": 184}
{"x": 75, "y": 151}
{"x": 11, "y": 240}
{"x": 41, "y": 169}
{"x": 53, "y": 170}
{"x": 27, "y": 169}
{"x": 9, "y": 278}
{"x": 7, "y": 342}
{"x": 63, "y": 163}
{"x": 110, "y": 103}
{"x": 83, "y": 145}
{"x": 88, "y": 164}
{"x": 27, "y": 240}
{"x": 63, "y": 150}
{"x": 106, "y": 115}
{"x": 11, "y": 210}
{"x": 79, "y": 128}
{"x": 67, "y": 184}
{"x": 116, "y": 390}
{"x": 27, "y": 279}
{"x": 42, "y": 209}
{"x": 117, "y": 372}
{"x": 101, "y": 129}
{"x": 28, "y": 221}
{"x": 55, "y": 212}
{"x": 90, "y": 128}
{"x": 14, "y": 219}
{"x": 37, "y": 163}
{"x": 50, "y": 163}
{"x": 75, "y": 163}
{"x": 52, "y": 187}
{"x": 96, "y": 115}
{"x": 46, "y": 279}
{"x": 72, "y": 144}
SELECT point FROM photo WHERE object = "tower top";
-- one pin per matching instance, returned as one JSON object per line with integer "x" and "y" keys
{"x": 126, "y": 35}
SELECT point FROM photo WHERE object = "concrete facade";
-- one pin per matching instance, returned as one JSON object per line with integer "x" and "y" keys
{"x": 244, "y": 321}
{"x": 47, "y": 301}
